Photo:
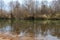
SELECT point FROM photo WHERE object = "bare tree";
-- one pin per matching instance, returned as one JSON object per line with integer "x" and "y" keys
{"x": 1, "y": 7}
{"x": 15, "y": 9}
{"x": 29, "y": 6}
{"x": 56, "y": 8}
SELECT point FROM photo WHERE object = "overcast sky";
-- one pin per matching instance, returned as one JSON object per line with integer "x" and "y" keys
{"x": 21, "y": 1}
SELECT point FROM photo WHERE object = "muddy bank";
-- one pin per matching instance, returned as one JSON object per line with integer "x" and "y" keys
{"x": 6, "y": 36}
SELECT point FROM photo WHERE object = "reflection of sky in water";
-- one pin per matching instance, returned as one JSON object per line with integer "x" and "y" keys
{"x": 50, "y": 37}
{"x": 22, "y": 34}
{"x": 46, "y": 36}
{"x": 39, "y": 32}
{"x": 6, "y": 29}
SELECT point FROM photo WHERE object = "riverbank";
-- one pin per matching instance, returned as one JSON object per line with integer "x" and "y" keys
{"x": 30, "y": 19}
{"x": 4, "y": 36}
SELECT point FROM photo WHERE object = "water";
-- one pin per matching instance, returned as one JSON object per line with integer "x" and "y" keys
{"x": 38, "y": 29}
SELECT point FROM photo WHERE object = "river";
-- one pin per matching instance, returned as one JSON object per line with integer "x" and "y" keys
{"x": 37, "y": 29}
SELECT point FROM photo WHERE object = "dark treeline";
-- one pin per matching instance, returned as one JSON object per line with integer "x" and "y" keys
{"x": 31, "y": 9}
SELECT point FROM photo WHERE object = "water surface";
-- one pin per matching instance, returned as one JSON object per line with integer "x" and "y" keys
{"x": 39, "y": 29}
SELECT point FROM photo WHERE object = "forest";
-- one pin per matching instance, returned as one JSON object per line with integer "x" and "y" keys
{"x": 31, "y": 9}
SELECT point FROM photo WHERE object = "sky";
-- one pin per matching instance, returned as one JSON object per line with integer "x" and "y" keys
{"x": 21, "y": 1}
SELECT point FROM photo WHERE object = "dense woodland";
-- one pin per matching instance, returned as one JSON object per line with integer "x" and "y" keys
{"x": 31, "y": 9}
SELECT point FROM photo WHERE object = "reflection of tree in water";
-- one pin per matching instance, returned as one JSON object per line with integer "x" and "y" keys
{"x": 48, "y": 28}
{"x": 38, "y": 27}
{"x": 4, "y": 23}
{"x": 55, "y": 30}
{"x": 5, "y": 26}
{"x": 41, "y": 29}
{"x": 24, "y": 26}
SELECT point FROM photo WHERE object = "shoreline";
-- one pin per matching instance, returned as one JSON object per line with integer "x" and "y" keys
{"x": 30, "y": 19}
{"x": 14, "y": 37}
